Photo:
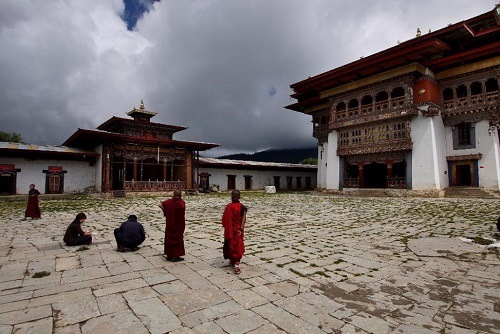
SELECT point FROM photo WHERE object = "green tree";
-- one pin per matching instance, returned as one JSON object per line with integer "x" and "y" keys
{"x": 309, "y": 161}
{"x": 11, "y": 137}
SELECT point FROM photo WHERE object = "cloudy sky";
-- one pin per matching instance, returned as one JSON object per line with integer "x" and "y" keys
{"x": 220, "y": 67}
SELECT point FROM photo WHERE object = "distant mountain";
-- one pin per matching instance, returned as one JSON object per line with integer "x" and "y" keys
{"x": 293, "y": 156}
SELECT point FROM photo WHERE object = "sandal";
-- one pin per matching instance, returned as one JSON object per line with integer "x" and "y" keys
{"x": 237, "y": 269}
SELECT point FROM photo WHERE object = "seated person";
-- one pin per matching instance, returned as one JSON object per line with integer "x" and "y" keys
{"x": 74, "y": 235}
{"x": 130, "y": 234}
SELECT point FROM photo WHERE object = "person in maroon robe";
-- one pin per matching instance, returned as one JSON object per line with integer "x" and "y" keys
{"x": 233, "y": 220}
{"x": 174, "y": 210}
{"x": 33, "y": 209}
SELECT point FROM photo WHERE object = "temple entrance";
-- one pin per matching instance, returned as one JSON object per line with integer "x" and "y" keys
{"x": 463, "y": 176}
{"x": 463, "y": 173}
{"x": 375, "y": 175}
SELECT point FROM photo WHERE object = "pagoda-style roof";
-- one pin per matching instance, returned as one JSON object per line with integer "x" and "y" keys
{"x": 115, "y": 124}
{"x": 141, "y": 113}
{"x": 32, "y": 151}
{"x": 91, "y": 138}
{"x": 462, "y": 43}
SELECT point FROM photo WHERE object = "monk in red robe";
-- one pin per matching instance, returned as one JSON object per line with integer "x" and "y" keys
{"x": 174, "y": 210}
{"x": 233, "y": 220}
{"x": 33, "y": 209}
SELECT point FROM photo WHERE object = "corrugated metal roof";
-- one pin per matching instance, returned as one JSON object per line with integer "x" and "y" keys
{"x": 240, "y": 163}
{"x": 43, "y": 148}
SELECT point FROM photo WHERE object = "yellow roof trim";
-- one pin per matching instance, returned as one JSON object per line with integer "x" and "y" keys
{"x": 414, "y": 67}
{"x": 468, "y": 68}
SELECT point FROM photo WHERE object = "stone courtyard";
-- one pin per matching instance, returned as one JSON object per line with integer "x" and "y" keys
{"x": 314, "y": 263}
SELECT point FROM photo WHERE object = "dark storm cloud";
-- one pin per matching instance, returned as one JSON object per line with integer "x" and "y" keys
{"x": 221, "y": 68}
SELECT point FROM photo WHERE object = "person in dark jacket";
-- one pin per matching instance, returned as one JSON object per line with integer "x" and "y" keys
{"x": 130, "y": 234}
{"x": 74, "y": 235}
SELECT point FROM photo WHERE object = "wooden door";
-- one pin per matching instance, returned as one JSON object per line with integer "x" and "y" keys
{"x": 54, "y": 184}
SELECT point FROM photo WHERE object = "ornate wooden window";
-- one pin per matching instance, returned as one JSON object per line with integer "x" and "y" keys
{"x": 464, "y": 136}
{"x": 448, "y": 94}
{"x": 491, "y": 85}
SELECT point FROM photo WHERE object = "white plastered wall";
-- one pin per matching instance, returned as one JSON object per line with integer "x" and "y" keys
{"x": 486, "y": 145}
{"x": 260, "y": 178}
{"x": 78, "y": 176}
{"x": 322, "y": 164}
{"x": 429, "y": 153}
{"x": 333, "y": 163}
{"x": 98, "y": 169}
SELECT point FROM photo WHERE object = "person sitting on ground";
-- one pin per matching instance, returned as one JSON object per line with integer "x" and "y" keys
{"x": 74, "y": 235}
{"x": 130, "y": 234}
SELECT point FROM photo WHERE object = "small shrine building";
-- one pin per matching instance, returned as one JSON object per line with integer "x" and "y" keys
{"x": 139, "y": 155}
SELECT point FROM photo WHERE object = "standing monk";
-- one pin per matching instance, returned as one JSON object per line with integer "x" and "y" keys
{"x": 33, "y": 209}
{"x": 174, "y": 210}
{"x": 233, "y": 220}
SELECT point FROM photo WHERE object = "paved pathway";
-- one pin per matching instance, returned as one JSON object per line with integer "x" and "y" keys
{"x": 314, "y": 264}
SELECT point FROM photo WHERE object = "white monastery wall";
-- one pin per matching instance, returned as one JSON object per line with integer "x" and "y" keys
{"x": 260, "y": 179}
{"x": 333, "y": 163}
{"x": 79, "y": 174}
{"x": 485, "y": 145}
{"x": 98, "y": 169}
{"x": 428, "y": 154}
{"x": 322, "y": 165}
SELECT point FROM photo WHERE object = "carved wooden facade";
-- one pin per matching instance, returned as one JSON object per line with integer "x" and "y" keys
{"x": 138, "y": 155}
{"x": 471, "y": 97}
{"x": 142, "y": 168}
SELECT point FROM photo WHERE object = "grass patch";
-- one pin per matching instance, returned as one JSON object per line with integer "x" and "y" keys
{"x": 405, "y": 239}
{"x": 82, "y": 248}
{"x": 297, "y": 272}
{"x": 322, "y": 273}
{"x": 40, "y": 274}
{"x": 482, "y": 241}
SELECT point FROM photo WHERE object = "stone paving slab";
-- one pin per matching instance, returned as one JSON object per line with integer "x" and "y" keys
{"x": 314, "y": 263}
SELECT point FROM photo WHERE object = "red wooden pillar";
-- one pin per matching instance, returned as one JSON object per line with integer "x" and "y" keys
{"x": 389, "y": 168}
{"x": 164, "y": 170}
{"x": 134, "y": 176}
{"x": 361, "y": 175}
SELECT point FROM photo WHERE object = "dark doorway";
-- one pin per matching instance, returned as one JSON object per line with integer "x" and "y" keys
{"x": 248, "y": 182}
{"x": 463, "y": 176}
{"x": 399, "y": 169}
{"x": 205, "y": 181}
{"x": 375, "y": 175}
{"x": 7, "y": 183}
{"x": 117, "y": 178}
{"x": 231, "y": 182}
{"x": 277, "y": 182}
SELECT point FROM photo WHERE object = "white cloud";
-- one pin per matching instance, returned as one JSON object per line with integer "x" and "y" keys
{"x": 210, "y": 65}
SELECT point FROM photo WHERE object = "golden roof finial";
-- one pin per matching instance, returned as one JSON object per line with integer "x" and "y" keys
{"x": 419, "y": 33}
{"x": 142, "y": 104}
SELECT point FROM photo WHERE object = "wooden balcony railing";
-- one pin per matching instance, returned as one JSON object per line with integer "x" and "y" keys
{"x": 396, "y": 182}
{"x": 137, "y": 186}
{"x": 351, "y": 182}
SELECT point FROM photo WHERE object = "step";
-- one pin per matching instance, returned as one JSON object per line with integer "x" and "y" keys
{"x": 468, "y": 192}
